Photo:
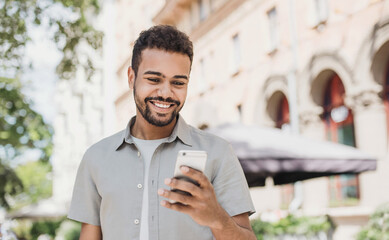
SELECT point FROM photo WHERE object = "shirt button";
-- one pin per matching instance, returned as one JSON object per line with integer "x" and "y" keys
{"x": 136, "y": 221}
{"x": 139, "y": 186}
{"x": 138, "y": 154}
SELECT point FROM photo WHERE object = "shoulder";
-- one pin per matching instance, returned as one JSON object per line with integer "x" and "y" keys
{"x": 105, "y": 145}
{"x": 207, "y": 138}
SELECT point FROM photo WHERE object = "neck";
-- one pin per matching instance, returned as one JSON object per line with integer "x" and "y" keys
{"x": 142, "y": 129}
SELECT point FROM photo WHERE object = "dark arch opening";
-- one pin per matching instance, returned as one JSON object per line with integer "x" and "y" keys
{"x": 339, "y": 126}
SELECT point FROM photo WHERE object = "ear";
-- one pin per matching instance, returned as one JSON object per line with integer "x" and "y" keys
{"x": 131, "y": 77}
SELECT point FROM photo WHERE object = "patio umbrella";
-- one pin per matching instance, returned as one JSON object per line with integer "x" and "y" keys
{"x": 270, "y": 152}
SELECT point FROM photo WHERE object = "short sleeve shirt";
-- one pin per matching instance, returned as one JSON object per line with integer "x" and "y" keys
{"x": 109, "y": 185}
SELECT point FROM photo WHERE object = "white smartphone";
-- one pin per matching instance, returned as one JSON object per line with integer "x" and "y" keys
{"x": 190, "y": 158}
{"x": 193, "y": 159}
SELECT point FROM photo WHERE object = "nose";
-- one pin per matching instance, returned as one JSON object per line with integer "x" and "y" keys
{"x": 165, "y": 90}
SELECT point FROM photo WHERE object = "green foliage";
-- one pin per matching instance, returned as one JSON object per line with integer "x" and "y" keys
{"x": 69, "y": 230}
{"x": 74, "y": 234}
{"x": 292, "y": 225}
{"x": 10, "y": 184}
{"x": 261, "y": 228}
{"x": 378, "y": 225}
{"x": 35, "y": 178}
{"x": 63, "y": 228}
{"x": 67, "y": 30}
{"x": 45, "y": 227}
{"x": 21, "y": 129}
{"x": 68, "y": 24}
{"x": 23, "y": 229}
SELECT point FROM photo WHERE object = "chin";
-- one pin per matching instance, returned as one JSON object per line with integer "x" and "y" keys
{"x": 161, "y": 121}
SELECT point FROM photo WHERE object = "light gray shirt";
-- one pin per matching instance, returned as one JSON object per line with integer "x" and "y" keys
{"x": 108, "y": 190}
{"x": 146, "y": 149}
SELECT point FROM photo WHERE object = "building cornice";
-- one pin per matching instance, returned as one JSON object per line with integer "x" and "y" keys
{"x": 215, "y": 18}
{"x": 171, "y": 11}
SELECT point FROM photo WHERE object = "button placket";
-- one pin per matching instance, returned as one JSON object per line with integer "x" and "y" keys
{"x": 153, "y": 196}
{"x": 139, "y": 185}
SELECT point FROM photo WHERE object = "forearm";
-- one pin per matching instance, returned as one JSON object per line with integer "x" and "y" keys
{"x": 228, "y": 229}
{"x": 90, "y": 232}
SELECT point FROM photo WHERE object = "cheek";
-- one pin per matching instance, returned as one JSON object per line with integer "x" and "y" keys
{"x": 143, "y": 90}
{"x": 181, "y": 95}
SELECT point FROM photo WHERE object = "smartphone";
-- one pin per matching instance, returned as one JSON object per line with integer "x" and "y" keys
{"x": 192, "y": 159}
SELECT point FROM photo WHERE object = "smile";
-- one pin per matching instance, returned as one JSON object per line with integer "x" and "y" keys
{"x": 161, "y": 105}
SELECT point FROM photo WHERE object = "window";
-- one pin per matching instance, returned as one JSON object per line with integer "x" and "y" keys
{"x": 193, "y": 16}
{"x": 317, "y": 13}
{"x": 202, "y": 10}
{"x": 339, "y": 125}
{"x": 321, "y": 11}
{"x": 239, "y": 108}
{"x": 236, "y": 54}
{"x": 203, "y": 76}
{"x": 386, "y": 98}
{"x": 202, "y": 66}
{"x": 283, "y": 122}
{"x": 273, "y": 29}
{"x": 283, "y": 118}
{"x": 211, "y": 69}
{"x": 211, "y": 5}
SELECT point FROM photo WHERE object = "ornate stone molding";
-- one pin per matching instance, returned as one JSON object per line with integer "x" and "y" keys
{"x": 364, "y": 100}
{"x": 310, "y": 116}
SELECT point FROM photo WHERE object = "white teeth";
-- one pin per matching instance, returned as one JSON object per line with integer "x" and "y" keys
{"x": 162, "y": 105}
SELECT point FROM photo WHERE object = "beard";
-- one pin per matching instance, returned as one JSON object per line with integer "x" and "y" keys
{"x": 160, "y": 119}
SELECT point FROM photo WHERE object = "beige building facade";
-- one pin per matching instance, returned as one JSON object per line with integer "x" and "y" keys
{"x": 247, "y": 53}
{"x": 131, "y": 17}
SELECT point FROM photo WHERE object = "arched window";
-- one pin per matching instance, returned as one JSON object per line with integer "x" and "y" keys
{"x": 339, "y": 125}
{"x": 283, "y": 122}
{"x": 386, "y": 98}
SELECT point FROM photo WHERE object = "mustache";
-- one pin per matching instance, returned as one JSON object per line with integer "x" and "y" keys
{"x": 161, "y": 99}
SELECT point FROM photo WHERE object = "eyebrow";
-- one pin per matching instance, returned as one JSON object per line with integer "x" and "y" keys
{"x": 162, "y": 75}
{"x": 181, "y": 76}
{"x": 155, "y": 73}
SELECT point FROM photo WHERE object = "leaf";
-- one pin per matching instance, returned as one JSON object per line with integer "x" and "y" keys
{"x": 16, "y": 15}
{"x": 21, "y": 129}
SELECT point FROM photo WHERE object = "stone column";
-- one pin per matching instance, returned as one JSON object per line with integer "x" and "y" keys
{"x": 315, "y": 190}
{"x": 371, "y": 137}
{"x": 369, "y": 122}
{"x": 311, "y": 124}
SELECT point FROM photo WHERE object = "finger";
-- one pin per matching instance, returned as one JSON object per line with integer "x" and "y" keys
{"x": 175, "y": 206}
{"x": 175, "y": 196}
{"x": 182, "y": 185}
{"x": 196, "y": 175}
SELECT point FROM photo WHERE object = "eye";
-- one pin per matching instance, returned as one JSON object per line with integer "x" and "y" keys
{"x": 178, "y": 83}
{"x": 153, "y": 79}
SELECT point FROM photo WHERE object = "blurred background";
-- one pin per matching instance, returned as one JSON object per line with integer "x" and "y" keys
{"x": 316, "y": 70}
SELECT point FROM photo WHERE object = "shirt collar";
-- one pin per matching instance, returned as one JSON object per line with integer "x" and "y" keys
{"x": 181, "y": 131}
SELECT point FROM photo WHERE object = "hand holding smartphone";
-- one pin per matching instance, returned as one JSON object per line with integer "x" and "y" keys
{"x": 192, "y": 159}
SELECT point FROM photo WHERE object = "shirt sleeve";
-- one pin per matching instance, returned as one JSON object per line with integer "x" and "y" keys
{"x": 231, "y": 186}
{"x": 85, "y": 204}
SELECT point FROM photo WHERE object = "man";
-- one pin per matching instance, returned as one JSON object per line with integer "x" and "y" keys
{"x": 123, "y": 182}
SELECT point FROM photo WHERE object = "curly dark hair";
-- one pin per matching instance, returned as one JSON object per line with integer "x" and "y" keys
{"x": 162, "y": 37}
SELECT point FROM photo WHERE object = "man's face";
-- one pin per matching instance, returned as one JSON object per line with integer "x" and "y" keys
{"x": 160, "y": 86}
